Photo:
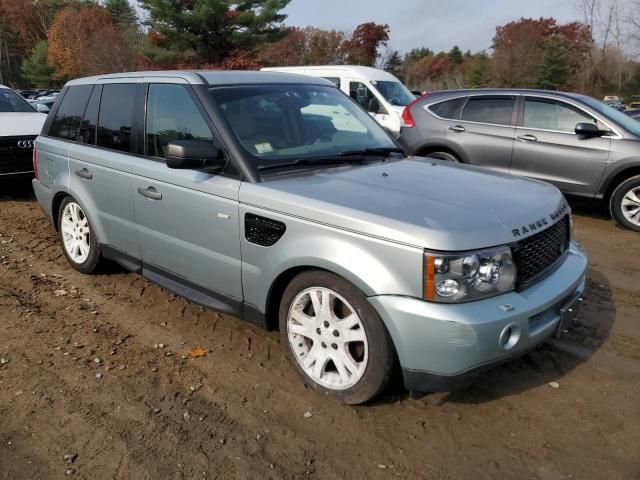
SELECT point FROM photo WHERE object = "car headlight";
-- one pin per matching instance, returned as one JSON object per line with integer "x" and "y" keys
{"x": 467, "y": 276}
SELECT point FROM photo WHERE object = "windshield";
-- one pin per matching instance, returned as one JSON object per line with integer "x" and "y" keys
{"x": 11, "y": 102}
{"x": 394, "y": 92}
{"x": 611, "y": 113}
{"x": 292, "y": 122}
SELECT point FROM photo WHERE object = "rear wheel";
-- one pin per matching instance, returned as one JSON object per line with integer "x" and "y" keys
{"x": 79, "y": 243}
{"x": 336, "y": 340}
{"x": 443, "y": 156}
{"x": 625, "y": 204}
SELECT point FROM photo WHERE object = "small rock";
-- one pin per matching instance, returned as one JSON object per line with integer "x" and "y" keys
{"x": 154, "y": 369}
{"x": 307, "y": 414}
{"x": 156, "y": 410}
{"x": 163, "y": 324}
{"x": 98, "y": 375}
{"x": 60, "y": 293}
{"x": 382, "y": 466}
{"x": 554, "y": 384}
{"x": 258, "y": 437}
{"x": 4, "y": 361}
{"x": 161, "y": 345}
{"x": 192, "y": 388}
{"x": 122, "y": 367}
{"x": 70, "y": 471}
{"x": 94, "y": 312}
{"x": 186, "y": 415}
{"x": 70, "y": 457}
{"x": 96, "y": 360}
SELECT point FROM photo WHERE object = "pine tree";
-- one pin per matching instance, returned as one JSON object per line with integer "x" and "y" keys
{"x": 455, "y": 55}
{"x": 35, "y": 67}
{"x": 393, "y": 64}
{"x": 554, "y": 69}
{"x": 210, "y": 30}
{"x": 477, "y": 75}
{"x": 122, "y": 13}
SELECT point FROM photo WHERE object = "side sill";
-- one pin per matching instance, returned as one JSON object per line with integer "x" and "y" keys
{"x": 190, "y": 291}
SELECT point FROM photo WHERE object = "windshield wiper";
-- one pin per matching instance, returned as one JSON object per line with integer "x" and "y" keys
{"x": 333, "y": 160}
{"x": 377, "y": 152}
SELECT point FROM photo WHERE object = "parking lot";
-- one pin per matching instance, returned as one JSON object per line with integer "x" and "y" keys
{"x": 99, "y": 367}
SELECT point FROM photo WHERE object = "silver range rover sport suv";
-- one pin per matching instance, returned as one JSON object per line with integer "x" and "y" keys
{"x": 278, "y": 199}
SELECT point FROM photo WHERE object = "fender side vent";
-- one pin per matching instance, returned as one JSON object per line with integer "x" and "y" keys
{"x": 262, "y": 231}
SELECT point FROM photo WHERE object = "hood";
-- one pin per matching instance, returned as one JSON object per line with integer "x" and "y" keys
{"x": 424, "y": 203}
{"x": 21, "y": 123}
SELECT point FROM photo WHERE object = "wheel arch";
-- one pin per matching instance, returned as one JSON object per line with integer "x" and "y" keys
{"x": 616, "y": 178}
{"x": 425, "y": 150}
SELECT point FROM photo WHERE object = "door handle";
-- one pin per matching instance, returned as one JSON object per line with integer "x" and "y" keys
{"x": 150, "y": 192}
{"x": 457, "y": 128}
{"x": 84, "y": 173}
{"x": 527, "y": 138}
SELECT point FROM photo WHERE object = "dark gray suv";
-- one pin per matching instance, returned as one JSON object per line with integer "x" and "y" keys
{"x": 575, "y": 142}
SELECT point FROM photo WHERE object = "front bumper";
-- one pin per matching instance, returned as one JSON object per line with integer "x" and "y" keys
{"x": 444, "y": 346}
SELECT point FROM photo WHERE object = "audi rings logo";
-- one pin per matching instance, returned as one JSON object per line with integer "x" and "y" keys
{"x": 25, "y": 143}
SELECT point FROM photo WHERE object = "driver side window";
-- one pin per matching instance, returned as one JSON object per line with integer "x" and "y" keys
{"x": 547, "y": 114}
{"x": 172, "y": 115}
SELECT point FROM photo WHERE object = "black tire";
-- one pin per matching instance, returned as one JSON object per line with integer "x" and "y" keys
{"x": 443, "y": 156}
{"x": 616, "y": 207}
{"x": 94, "y": 260}
{"x": 381, "y": 353}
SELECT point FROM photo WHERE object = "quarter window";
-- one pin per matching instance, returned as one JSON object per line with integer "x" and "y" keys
{"x": 116, "y": 116}
{"x": 334, "y": 80}
{"x": 67, "y": 120}
{"x": 365, "y": 97}
{"x": 172, "y": 115}
{"x": 449, "y": 109}
{"x": 552, "y": 115}
{"x": 495, "y": 110}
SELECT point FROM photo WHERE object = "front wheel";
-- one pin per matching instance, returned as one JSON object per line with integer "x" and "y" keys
{"x": 78, "y": 239}
{"x": 443, "y": 156}
{"x": 625, "y": 204}
{"x": 336, "y": 340}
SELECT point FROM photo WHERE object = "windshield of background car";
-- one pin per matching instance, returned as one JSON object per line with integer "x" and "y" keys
{"x": 611, "y": 113}
{"x": 11, "y": 102}
{"x": 394, "y": 92}
{"x": 290, "y": 122}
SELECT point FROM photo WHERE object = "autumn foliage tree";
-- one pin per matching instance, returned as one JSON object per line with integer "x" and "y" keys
{"x": 84, "y": 41}
{"x": 367, "y": 38}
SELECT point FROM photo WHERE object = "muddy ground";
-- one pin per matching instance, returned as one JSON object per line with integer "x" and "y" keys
{"x": 239, "y": 412}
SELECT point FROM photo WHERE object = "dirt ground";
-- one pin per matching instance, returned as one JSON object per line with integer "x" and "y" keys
{"x": 83, "y": 373}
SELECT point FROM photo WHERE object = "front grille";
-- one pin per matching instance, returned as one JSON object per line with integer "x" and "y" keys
{"x": 13, "y": 158}
{"x": 536, "y": 254}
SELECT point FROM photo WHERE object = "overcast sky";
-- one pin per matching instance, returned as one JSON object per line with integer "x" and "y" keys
{"x": 436, "y": 24}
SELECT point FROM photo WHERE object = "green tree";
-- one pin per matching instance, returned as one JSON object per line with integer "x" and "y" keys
{"x": 122, "y": 13}
{"x": 35, "y": 67}
{"x": 555, "y": 67}
{"x": 416, "y": 54}
{"x": 455, "y": 55}
{"x": 478, "y": 73}
{"x": 210, "y": 30}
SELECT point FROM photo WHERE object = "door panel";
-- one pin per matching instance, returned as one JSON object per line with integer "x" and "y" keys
{"x": 192, "y": 231}
{"x": 485, "y": 132}
{"x": 102, "y": 179}
{"x": 548, "y": 149}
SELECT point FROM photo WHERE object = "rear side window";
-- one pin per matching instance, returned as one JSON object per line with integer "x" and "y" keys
{"x": 116, "y": 116}
{"x": 87, "y": 132}
{"x": 449, "y": 109}
{"x": 172, "y": 115}
{"x": 495, "y": 110}
{"x": 66, "y": 123}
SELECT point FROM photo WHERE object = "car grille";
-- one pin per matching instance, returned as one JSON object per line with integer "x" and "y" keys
{"x": 538, "y": 253}
{"x": 14, "y": 159}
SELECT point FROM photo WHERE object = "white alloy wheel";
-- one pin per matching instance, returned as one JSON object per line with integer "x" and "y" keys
{"x": 76, "y": 235}
{"x": 327, "y": 338}
{"x": 631, "y": 206}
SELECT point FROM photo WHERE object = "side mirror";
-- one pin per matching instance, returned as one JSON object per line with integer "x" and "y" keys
{"x": 42, "y": 108}
{"x": 589, "y": 130}
{"x": 194, "y": 155}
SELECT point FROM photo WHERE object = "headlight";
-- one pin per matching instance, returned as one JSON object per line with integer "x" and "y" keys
{"x": 463, "y": 277}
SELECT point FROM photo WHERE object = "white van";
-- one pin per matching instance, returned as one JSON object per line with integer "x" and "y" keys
{"x": 379, "y": 92}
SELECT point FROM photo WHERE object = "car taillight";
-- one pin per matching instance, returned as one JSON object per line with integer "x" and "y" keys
{"x": 35, "y": 162}
{"x": 407, "y": 118}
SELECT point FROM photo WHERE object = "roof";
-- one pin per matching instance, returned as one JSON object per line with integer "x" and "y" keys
{"x": 201, "y": 77}
{"x": 354, "y": 70}
{"x": 501, "y": 91}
